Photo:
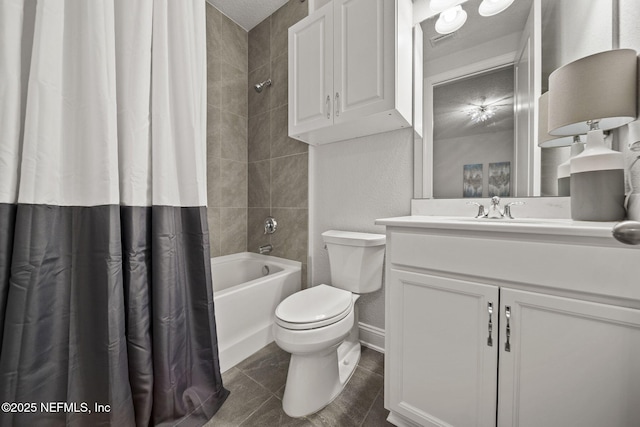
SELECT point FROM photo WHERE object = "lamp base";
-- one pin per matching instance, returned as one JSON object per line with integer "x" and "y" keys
{"x": 598, "y": 195}
{"x": 633, "y": 207}
{"x": 564, "y": 186}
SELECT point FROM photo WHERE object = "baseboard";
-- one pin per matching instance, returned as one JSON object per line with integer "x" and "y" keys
{"x": 372, "y": 337}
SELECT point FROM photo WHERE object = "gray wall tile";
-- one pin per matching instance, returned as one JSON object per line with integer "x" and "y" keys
{"x": 289, "y": 177}
{"x": 233, "y": 135}
{"x": 233, "y": 90}
{"x": 255, "y": 228}
{"x": 214, "y": 46}
{"x": 213, "y": 131}
{"x": 281, "y": 20}
{"x": 259, "y": 184}
{"x": 214, "y": 182}
{"x": 259, "y": 102}
{"x": 280, "y": 86}
{"x": 233, "y": 179}
{"x": 213, "y": 219}
{"x": 281, "y": 144}
{"x": 259, "y": 132}
{"x": 290, "y": 239}
{"x": 233, "y": 230}
{"x": 259, "y": 44}
{"x": 234, "y": 44}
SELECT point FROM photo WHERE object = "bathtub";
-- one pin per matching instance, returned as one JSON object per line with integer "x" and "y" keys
{"x": 247, "y": 288}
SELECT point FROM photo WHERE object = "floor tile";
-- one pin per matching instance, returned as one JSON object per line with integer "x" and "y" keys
{"x": 271, "y": 414}
{"x": 372, "y": 360}
{"x": 352, "y": 405}
{"x": 377, "y": 416}
{"x": 268, "y": 367}
{"x": 245, "y": 398}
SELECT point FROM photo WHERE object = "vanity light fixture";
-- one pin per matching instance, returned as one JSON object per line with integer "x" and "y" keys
{"x": 493, "y": 7}
{"x": 451, "y": 20}
{"x": 593, "y": 94}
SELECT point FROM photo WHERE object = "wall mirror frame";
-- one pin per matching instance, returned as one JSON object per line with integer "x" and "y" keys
{"x": 537, "y": 54}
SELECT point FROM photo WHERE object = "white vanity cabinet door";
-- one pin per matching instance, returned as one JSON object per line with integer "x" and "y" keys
{"x": 442, "y": 372}
{"x": 311, "y": 72}
{"x": 571, "y": 363}
{"x": 364, "y": 58}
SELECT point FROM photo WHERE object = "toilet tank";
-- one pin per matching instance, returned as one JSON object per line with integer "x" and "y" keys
{"x": 355, "y": 259}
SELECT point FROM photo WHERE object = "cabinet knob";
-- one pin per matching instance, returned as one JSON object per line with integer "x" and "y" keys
{"x": 328, "y": 107}
{"x": 490, "y": 337}
{"x": 507, "y": 313}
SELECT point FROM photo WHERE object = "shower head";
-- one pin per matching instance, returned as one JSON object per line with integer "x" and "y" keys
{"x": 258, "y": 87}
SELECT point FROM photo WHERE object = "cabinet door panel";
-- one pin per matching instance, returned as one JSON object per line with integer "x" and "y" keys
{"x": 572, "y": 363}
{"x": 311, "y": 72}
{"x": 442, "y": 370}
{"x": 364, "y": 60}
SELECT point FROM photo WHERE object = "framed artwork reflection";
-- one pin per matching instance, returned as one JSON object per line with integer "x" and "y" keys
{"x": 472, "y": 180}
{"x": 500, "y": 179}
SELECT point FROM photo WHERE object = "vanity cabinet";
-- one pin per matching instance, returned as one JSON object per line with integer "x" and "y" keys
{"x": 498, "y": 337}
{"x": 350, "y": 70}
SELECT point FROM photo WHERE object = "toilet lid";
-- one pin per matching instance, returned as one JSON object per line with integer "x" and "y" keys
{"x": 314, "y": 307}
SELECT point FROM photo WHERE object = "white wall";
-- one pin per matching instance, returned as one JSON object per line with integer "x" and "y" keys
{"x": 451, "y": 154}
{"x": 353, "y": 183}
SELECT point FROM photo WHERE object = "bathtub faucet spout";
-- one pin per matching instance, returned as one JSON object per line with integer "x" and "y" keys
{"x": 265, "y": 249}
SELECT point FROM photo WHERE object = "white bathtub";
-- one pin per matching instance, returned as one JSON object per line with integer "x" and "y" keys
{"x": 245, "y": 301}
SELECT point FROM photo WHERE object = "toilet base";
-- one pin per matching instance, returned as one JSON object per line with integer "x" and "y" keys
{"x": 313, "y": 381}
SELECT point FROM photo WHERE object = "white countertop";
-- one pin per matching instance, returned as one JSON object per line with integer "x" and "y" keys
{"x": 560, "y": 227}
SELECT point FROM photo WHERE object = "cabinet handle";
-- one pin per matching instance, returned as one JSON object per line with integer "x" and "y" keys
{"x": 490, "y": 338}
{"x": 337, "y": 104}
{"x": 507, "y": 313}
{"x": 328, "y": 107}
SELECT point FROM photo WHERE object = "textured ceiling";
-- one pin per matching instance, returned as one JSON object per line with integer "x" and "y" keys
{"x": 247, "y": 13}
{"x": 477, "y": 29}
{"x": 452, "y": 101}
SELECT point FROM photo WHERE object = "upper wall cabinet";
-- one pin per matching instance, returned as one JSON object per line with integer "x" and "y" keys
{"x": 350, "y": 70}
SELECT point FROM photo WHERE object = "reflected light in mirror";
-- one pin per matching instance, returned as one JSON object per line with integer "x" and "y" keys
{"x": 493, "y": 7}
{"x": 451, "y": 20}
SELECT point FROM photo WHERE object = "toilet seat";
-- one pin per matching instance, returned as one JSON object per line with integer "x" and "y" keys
{"x": 314, "y": 307}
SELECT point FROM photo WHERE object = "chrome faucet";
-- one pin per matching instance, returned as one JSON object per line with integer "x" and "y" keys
{"x": 494, "y": 210}
{"x": 270, "y": 225}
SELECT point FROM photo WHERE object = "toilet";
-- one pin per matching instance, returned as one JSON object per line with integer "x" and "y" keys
{"x": 319, "y": 325}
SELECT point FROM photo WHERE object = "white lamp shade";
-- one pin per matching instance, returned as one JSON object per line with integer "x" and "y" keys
{"x": 544, "y": 139}
{"x": 442, "y": 5}
{"x": 493, "y": 7}
{"x": 451, "y": 20}
{"x": 598, "y": 87}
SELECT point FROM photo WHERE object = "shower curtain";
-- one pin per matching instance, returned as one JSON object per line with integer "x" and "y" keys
{"x": 106, "y": 305}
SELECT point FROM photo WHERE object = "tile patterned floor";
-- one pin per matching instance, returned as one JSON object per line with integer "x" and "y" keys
{"x": 257, "y": 387}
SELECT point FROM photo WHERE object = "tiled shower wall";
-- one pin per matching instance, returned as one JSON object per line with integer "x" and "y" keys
{"x": 254, "y": 169}
{"x": 278, "y": 165}
{"x": 227, "y": 62}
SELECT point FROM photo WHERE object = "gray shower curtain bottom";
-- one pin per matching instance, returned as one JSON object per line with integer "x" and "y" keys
{"x": 107, "y": 316}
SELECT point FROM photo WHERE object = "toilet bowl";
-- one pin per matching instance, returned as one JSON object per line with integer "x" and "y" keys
{"x": 319, "y": 325}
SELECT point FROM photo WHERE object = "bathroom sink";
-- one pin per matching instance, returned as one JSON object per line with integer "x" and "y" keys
{"x": 501, "y": 221}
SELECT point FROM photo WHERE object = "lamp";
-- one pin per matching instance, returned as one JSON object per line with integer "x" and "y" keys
{"x": 493, "y": 7}
{"x": 593, "y": 94}
{"x": 545, "y": 140}
{"x": 451, "y": 20}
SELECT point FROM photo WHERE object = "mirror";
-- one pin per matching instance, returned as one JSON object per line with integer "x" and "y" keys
{"x": 480, "y": 90}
